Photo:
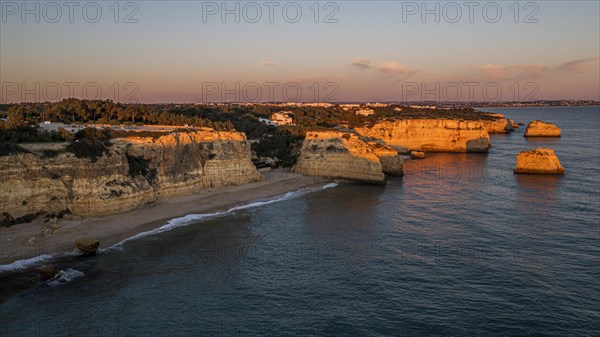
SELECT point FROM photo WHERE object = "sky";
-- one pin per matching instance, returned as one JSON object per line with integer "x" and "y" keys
{"x": 335, "y": 51}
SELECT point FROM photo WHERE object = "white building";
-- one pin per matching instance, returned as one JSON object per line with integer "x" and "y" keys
{"x": 347, "y": 107}
{"x": 266, "y": 121}
{"x": 377, "y": 105}
{"x": 283, "y": 118}
{"x": 423, "y": 106}
{"x": 365, "y": 112}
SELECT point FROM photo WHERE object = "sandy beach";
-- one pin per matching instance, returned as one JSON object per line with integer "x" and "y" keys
{"x": 25, "y": 241}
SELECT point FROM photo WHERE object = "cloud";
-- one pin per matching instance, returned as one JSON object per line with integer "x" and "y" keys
{"x": 267, "y": 63}
{"x": 393, "y": 68}
{"x": 361, "y": 63}
{"x": 532, "y": 71}
{"x": 388, "y": 69}
{"x": 579, "y": 65}
{"x": 504, "y": 72}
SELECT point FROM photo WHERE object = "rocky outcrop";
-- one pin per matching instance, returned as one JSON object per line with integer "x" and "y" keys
{"x": 417, "y": 155}
{"x": 431, "y": 135}
{"x": 87, "y": 245}
{"x": 498, "y": 124}
{"x": 391, "y": 161}
{"x": 346, "y": 156}
{"x": 538, "y": 161}
{"x": 136, "y": 171}
{"x": 542, "y": 129}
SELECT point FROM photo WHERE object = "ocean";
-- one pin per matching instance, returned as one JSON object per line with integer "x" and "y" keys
{"x": 459, "y": 246}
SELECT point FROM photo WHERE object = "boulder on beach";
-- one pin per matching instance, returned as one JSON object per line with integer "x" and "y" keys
{"x": 538, "y": 161}
{"x": 417, "y": 155}
{"x": 87, "y": 245}
{"x": 542, "y": 129}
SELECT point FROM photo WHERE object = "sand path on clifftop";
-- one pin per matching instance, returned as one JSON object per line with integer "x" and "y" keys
{"x": 16, "y": 242}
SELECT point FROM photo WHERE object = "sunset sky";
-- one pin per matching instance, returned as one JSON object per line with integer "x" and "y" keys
{"x": 377, "y": 51}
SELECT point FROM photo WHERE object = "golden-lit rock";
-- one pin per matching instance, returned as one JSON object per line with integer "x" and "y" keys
{"x": 391, "y": 161}
{"x": 136, "y": 171}
{"x": 499, "y": 124}
{"x": 346, "y": 156}
{"x": 542, "y": 129}
{"x": 417, "y": 155}
{"x": 538, "y": 161}
{"x": 431, "y": 135}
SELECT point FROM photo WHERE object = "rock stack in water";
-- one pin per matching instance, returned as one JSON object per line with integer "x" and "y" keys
{"x": 347, "y": 156}
{"x": 539, "y": 161}
{"x": 542, "y": 129}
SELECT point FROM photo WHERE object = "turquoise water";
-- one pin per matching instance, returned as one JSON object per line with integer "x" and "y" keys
{"x": 460, "y": 246}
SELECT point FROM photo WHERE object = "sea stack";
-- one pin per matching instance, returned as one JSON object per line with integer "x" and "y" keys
{"x": 538, "y": 161}
{"x": 347, "y": 156}
{"x": 542, "y": 129}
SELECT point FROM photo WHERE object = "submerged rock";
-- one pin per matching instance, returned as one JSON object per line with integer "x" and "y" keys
{"x": 87, "y": 245}
{"x": 538, "y": 161}
{"x": 542, "y": 129}
{"x": 48, "y": 272}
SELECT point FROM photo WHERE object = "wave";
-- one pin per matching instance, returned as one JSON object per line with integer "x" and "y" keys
{"x": 171, "y": 224}
{"x": 193, "y": 218}
{"x": 21, "y": 264}
{"x": 64, "y": 276}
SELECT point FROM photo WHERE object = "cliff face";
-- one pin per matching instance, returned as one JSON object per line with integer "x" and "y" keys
{"x": 539, "y": 161}
{"x": 346, "y": 156}
{"x": 136, "y": 171}
{"x": 499, "y": 124}
{"x": 431, "y": 135}
{"x": 542, "y": 129}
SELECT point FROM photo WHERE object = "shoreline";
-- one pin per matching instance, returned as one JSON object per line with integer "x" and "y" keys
{"x": 22, "y": 242}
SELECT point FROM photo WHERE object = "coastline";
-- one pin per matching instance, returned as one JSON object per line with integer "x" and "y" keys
{"x": 30, "y": 240}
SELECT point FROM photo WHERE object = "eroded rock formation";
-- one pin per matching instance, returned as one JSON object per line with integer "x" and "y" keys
{"x": 538, "y": 161}
{"x": 431, "y": 135}
{"x": 542, "y": 129}
{"x": 346, "y": 156}
{"x": 136, "y": 171}
{"x": 499, "y": 124}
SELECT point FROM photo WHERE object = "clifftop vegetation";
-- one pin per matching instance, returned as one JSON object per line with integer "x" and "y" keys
{"x": 282, "y": 142}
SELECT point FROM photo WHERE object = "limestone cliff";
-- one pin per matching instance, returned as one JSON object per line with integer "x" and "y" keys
{"x": 391, "y": 161}
{"x": 498, "y": 124}
{"x": 542, "y": 129}
{"x": 431, "y": 135}
{"x": 346, "y": 156}
{"x": 136, "y": 171}
{"x": 538, "y": 161}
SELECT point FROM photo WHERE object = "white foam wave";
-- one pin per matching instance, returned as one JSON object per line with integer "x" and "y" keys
{"x": 21, "y": 264}
{"x": 65, "y": 276}
{"x": 191, "y": 218}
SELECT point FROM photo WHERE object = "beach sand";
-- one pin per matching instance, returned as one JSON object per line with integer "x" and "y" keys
{"x": 25, "y": 241}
